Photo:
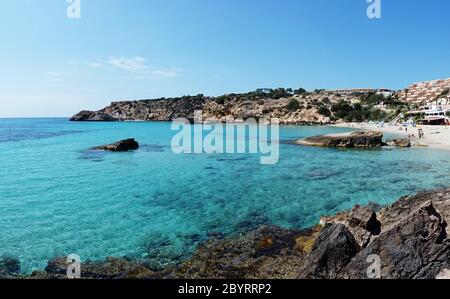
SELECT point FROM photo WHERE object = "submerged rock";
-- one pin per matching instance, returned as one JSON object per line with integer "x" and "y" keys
{"x": 353, "y": 139}
{"x": 266, "y": 252}
{"x": 111, "y": 268}
{"x": 9, "y": 268}
{"x": 120, "y": 146}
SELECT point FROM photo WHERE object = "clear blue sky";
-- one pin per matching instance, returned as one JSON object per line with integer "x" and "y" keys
{"x": 120, "y": 49}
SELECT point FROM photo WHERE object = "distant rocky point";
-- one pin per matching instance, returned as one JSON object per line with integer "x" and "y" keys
{"x": 92, "y": 116}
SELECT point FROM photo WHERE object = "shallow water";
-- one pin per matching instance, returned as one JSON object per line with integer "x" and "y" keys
{"x": 57, "y": 197}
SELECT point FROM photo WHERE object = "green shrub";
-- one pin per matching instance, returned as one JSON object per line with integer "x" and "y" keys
{"x": 293, "y": 105}
{"x": 300, "y": 91}
{"x": 341, "y": 109}
{"x": 324, "y": 111}
{"x": 279, "y": 93}
{"x": 221, "y": 100}
{"x": 371, "y": 98}
{"x": 326, "y": 101}
{"x": 357, "y": 112}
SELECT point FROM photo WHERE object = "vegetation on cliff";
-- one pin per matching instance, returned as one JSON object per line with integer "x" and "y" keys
{"x": 290, "y": 106}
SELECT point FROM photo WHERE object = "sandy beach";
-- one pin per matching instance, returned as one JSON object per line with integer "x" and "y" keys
{"x": 434, "y": 136}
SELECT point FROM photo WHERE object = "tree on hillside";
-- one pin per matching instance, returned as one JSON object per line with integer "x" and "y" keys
{"x": 299, "y": 91}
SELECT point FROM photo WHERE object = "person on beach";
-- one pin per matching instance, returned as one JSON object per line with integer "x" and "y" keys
{"x": 420, "y": 132}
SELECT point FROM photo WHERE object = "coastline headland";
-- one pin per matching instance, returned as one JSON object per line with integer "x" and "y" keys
{"x": 289, "y": 108}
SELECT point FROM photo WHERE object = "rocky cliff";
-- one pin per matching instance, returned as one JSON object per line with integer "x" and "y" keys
{"x": 317, "y": 107}
{"x": 408, "y": 240}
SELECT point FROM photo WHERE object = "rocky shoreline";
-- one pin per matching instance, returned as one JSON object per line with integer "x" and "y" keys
{"x": 409, "y": 238}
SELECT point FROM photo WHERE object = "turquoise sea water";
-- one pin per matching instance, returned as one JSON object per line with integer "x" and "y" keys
{"x": 57, "y": 197}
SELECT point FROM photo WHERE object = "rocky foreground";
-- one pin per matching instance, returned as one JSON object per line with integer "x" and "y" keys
{"x": 409, "y": 237}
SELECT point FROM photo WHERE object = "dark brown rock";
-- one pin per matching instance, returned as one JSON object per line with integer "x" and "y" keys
{"x": 415, "y": 248}
{"x": 332, "y": 251}
{"x": 120, "y": 146}
{"x": 392, "y": 215}
{"x": 361, "y": 221}
{"x": 365, "y": 218}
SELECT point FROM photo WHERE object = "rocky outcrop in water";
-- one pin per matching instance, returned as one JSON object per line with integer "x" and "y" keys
{"x": 9, "y": 268}
{"x": 119, "y": 146}
{"x": 409, "y": 239}
{"x": 349, "y": 140}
